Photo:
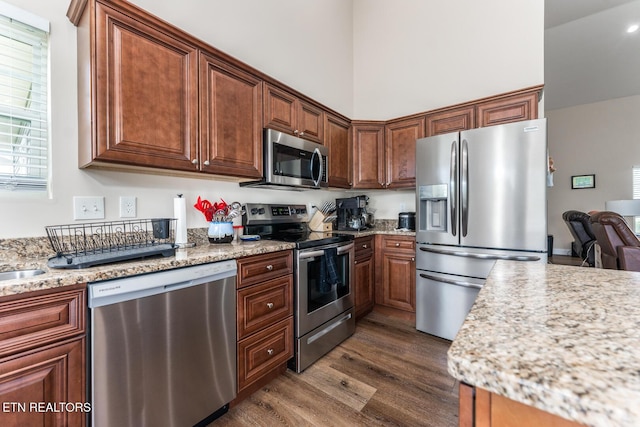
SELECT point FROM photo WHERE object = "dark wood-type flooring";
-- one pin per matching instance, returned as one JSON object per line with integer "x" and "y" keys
{"x": 386, "y": 374}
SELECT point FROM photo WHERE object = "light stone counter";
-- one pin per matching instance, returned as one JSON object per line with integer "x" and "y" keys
{"x": 563, "y": 339}
{"x": 33, "y": 253}
{"x": 201, "y": 254}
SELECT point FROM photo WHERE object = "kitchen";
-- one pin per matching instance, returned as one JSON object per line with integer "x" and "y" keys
{"x": 155, "y": 193}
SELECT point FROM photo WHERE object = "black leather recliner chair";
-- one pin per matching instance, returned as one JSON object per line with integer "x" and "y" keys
{"x": 580, "y": 228}
{"x": 620, "y": 247}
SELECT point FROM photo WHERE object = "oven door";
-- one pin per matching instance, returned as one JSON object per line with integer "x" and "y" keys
{"x": 317, "y": 300}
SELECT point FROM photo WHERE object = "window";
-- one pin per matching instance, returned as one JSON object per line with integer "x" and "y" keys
{"x": 636, "y": 194}
{"x": 24, "y": 127}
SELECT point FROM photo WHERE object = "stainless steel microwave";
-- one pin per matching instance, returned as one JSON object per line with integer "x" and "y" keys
{"x": 291, "y": 162}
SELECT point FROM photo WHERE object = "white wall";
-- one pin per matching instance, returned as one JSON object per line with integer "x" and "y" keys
{"x": 417, "y": 55}
{"x": 321, "y": 48}
{"x": 601, "y": 139}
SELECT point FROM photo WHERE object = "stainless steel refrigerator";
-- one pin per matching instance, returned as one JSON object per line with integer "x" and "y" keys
{"x": 480, "y": 197}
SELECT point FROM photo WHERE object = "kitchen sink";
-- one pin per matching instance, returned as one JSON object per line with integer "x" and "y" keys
{"x": 19, "y": 274}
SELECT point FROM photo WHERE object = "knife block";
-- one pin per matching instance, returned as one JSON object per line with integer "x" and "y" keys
{"x": 317, "y": 223}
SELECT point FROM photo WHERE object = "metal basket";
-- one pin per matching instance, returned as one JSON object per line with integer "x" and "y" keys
{"x": 89, "y": 244}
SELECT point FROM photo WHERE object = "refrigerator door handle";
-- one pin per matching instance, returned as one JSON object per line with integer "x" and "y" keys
{"x": 482, "y": 256}
{"x": 451, "y": 282}
{"x": 464, "y": 186}
{"x": 453, "y": 186}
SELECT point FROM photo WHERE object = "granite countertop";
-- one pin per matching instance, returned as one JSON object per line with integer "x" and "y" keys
{"x": 33, "y": 253}
{"x": 200, "y": 254}
{"x": 563, "y": 339}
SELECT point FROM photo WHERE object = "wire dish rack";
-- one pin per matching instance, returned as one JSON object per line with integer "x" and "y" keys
{"x": 89, "y": 244}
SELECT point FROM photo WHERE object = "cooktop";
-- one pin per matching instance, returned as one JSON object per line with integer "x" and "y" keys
{"x": 287, "y": 223}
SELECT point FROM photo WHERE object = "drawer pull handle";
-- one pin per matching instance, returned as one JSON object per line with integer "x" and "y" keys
{"x": 269, "y": 267}
{"x": 269, "y": 305}
{"x": 270, "y": 352}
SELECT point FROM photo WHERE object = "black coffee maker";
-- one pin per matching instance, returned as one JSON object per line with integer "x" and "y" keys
{"x": 352, "y": 213}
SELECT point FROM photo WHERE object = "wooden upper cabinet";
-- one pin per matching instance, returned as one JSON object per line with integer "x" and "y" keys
{"x": 453, "y": 120}
{"x": 508, "y": 109}
{"x": 231, "y": 119}
{"x": 336, "y": 132}
{"x": 286, "y": 113}
{"x": 145, "y": 88}
{"x": 368, "y": 154}
{"x": 400, "y": 151}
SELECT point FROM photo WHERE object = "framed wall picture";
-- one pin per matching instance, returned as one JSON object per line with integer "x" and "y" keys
{"x": 583, "y": 181}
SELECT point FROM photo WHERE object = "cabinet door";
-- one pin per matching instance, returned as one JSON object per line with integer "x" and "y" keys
{"x": 451, "y": 121}
{"x": 47, "y": 377}
{"x": 231, "y": 120}
{"x": 337, "y": 140}
{"x": 280, "y": 109}
{"x": 146, "y": 110}
{"x": 510, "y": 109}
{"x": 400, "y": 152}
{"x": 364, "y": 273}
{"x": 310, "y": 124}
{"x": 368, "y": 155}
{"x": 399, "y": 280}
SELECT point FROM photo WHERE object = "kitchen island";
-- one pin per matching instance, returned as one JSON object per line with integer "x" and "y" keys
{"x": 563, "y": 340}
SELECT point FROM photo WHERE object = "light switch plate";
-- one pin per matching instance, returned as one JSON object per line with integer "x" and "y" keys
{"x": 88, "y": 207}
{"x": 127, "y": 206}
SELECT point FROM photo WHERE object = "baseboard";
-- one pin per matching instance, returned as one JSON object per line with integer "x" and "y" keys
{"x": 565, "y": 252}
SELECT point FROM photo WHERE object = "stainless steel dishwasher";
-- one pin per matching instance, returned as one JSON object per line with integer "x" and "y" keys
{"x": 163, "y": 347}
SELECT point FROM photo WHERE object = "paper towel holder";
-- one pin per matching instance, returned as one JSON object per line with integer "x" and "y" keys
{"x": 179, "y": 212}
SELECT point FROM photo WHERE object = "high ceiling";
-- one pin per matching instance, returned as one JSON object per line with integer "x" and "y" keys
{"x": 589, "y": 56}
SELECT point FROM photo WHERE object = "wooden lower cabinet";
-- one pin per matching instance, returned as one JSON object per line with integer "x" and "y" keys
{"x": 264, "y": 304}
{"x": 43, "y": 358}
{"x": 481, "y": 408}
{"x": 364, "y": 269}
{"x": 49, "y": 383}
{"x": 396, "y": 272}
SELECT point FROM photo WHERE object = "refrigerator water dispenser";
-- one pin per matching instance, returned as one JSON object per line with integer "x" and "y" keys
{"x": 433, "y": 207}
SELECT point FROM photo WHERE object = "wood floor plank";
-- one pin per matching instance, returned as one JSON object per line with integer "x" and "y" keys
{"x": 386, "y": 374}
{"x": 345, "y": 388}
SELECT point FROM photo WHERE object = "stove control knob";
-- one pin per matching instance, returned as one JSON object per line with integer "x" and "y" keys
{"x": 254, "y": 211}
{"x": 261, "y": 211}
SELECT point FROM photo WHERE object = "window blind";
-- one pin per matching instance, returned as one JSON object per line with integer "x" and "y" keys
{"x": 24, "y": 127}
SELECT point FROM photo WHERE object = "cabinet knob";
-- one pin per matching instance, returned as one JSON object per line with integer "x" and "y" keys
{"x": 269, "y": 305}
{"x": 269, "y": 267}
{"x": 397, "y": 245}
{"x": 355, "y": 262}
{"x": 207, "y": 163}
{"x": 270, "y": 351}
{"x": 301, "y": 134}
{"x": 296, "y": 131}
{"x": 351, "y": 183}
{"x": 364, "y": 246}
{"x": 194, "y": 161}
{"x": 412, "y": 259}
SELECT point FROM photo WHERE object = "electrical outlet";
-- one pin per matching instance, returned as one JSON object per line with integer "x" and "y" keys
{"x": 127, "y": 207}
{"x": 88, "y": 208}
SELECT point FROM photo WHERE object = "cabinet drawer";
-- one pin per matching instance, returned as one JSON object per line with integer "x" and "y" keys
{"x": 398, "y": 243}
{"x": 259, "y": 268}
{"x": 36, "y": 321}
{"x": 363, "y": 248}
{"x": 264, "y": 304}
{"x": 260, "y": 353}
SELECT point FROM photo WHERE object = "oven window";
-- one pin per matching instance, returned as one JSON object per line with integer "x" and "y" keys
{"x": 324, "y": 287}
{"x": 291, "y": 162}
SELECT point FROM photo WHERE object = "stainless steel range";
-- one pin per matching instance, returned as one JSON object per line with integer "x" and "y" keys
{"x": 324, "y": 308}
